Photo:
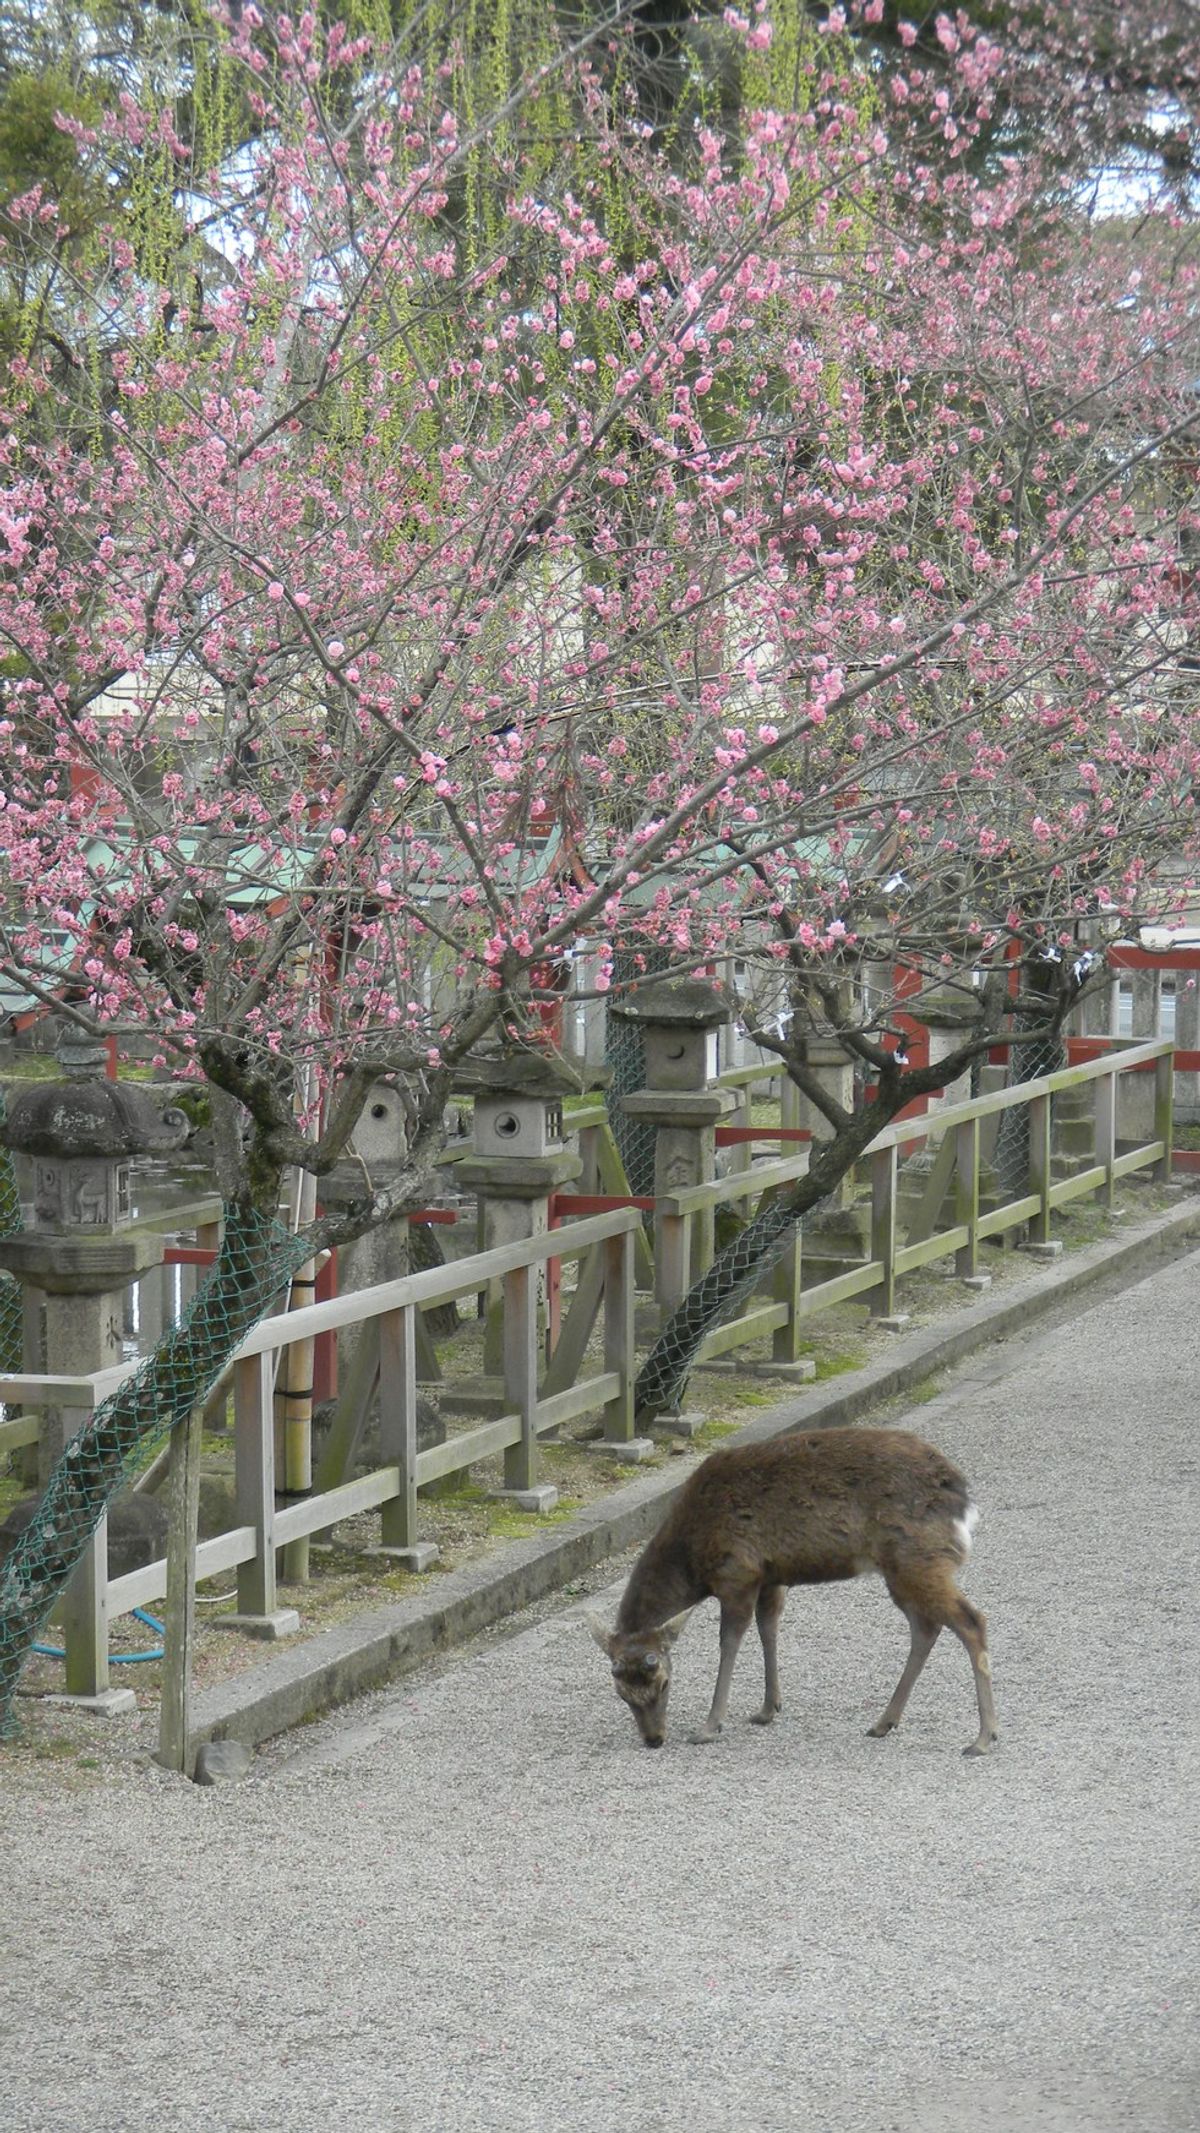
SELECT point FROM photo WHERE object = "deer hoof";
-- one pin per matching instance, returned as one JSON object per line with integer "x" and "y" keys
{"x": 881, "y": 1728}
{"x": 982, "y": 1746}
{"x": 702, "y": 1738}
{"x": 764, "y": 1717}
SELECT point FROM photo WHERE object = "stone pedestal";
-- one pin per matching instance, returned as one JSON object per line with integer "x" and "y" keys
{"x": 837, "y": 1231}
{"x": 514, "y": 1204}
{"x": 685, "y": 1151}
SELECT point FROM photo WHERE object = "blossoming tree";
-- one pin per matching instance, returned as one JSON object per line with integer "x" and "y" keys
{"x": 786, "y": 516}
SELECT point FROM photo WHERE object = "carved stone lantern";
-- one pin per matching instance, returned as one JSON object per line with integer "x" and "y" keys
{"x": 79, "y": 1254}
{"x": 519, "y": 1158}
{"x": 526, "y": 1121}
{"x": 381, "y": 1135}
{"x": 520, "y": 1153}
{"x": 80, "y": 1134}
{"x": 679, "y": 1019}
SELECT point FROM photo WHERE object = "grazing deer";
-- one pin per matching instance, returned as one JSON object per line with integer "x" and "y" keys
{"x": 800, "y": 1510}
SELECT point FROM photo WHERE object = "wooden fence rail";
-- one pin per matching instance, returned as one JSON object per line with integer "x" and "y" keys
{"x": 607, "y": 1245}
{"x": 250, "y": 1548}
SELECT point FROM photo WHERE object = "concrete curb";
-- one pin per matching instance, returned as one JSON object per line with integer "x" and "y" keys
{"x": 311, "y": 1677}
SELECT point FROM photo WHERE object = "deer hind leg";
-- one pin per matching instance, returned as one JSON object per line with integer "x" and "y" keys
{"x": 737, "y": 1611}
{"x": 970, "y": 1627}
{"x": 766, "y": 1614}
{"x": 924, "y": 1636}
{"x": 928, "y": 1595}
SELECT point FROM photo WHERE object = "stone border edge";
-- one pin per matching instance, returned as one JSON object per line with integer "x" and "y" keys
{"x": 312, "y": 1677}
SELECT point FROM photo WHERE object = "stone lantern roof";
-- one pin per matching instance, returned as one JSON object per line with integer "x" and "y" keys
{"x": 87, "y": 1116}
{"x": 683, "y": 1003}
{"x": 548, "y": 1075}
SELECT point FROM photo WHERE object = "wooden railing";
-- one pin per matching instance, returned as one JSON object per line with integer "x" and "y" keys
{"x": 249, "y": 1547}
{"x": 957, "y": 1128}
{"x": 607, "y": 1245}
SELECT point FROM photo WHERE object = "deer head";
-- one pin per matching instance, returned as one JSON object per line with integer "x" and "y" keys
{"x": 641, "y": 1669}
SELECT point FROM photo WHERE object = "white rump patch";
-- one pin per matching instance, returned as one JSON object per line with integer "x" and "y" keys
{"x": 964, "y": 1527}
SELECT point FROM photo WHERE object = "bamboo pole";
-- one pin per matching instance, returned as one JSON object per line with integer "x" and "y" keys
{"x": 294, "y": 1400}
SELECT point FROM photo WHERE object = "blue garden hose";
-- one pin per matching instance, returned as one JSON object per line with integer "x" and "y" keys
{"x": 55, "y": 1651}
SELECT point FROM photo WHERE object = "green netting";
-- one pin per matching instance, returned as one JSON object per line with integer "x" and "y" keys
{"x": 11, "y": 1312}
{"x": 625, "y": 1054}
{"x": 256, "y": 1260}
{"x": 1043, "y": 1053}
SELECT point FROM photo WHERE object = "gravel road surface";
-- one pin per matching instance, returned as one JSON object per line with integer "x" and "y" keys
{"x": 475, "y": 1904}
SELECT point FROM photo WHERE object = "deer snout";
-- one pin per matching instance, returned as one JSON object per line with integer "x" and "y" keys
{"x": 645, "y": 1688}
{"x": 651, "y": 1719}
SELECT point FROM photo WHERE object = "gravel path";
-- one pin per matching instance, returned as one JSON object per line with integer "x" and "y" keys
{"x": 475, "y": 1904}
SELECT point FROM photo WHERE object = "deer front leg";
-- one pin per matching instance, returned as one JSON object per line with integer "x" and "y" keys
{"x": 735, "y": 1621}
{"x": 766, "y": 1614}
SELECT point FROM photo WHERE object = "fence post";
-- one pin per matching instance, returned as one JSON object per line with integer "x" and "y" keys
{"x": 671, "y": 1254}
{"x": 619, "y": 1334}
{"x": 1039, "y": 1166}
{"x": 785, "y": 1289}
{"x": 520, "y": 1380}
{"x": 83, "y": 1616}
{"x": 883, "y": 1229}
{"x": 1106, "y": 1131}
{"x": 398, "y": 1433}
{"x": 152, "y": 1306}
{"x": 741, "y": 1157}
{"x": 254, "y": 1453}
{"x": 179, "y": 1611}
{"x": 589, "y": 1176}
{"x": 966, "y": 1196}
{"x": 1164, "y": 1114}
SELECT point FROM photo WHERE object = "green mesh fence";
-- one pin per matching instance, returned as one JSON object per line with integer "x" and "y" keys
{"x": 625, "y": 1054}
{"x": 257, "y": 1259}
{"x": 1042, "y": 1054}
{"x": 11, "y": 1311}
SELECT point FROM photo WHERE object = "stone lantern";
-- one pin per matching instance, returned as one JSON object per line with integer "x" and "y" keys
{"x": 520, "y": 1147}
{"x": 80, "y": 1253}
{"x": 80, "y": 1134}
{"x": 679, "y": 1019}
{"x": 519, "y": 1158}
{"x": 522, "y": 1122}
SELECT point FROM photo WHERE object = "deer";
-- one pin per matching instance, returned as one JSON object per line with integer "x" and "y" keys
{"x": 802, "y": 1509}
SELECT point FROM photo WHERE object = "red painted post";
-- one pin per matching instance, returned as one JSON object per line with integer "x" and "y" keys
{"x": 325, "y": 1361}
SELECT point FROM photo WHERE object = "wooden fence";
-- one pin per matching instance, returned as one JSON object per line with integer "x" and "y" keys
{"x": 541, "y": 1396}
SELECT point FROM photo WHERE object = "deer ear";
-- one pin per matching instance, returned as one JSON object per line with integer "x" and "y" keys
{"x": 668, "y": 1631}
{"x": 602, "y": 1634}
